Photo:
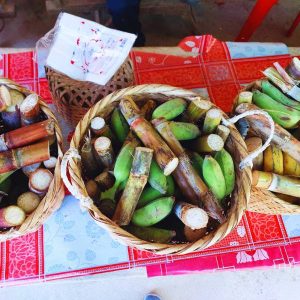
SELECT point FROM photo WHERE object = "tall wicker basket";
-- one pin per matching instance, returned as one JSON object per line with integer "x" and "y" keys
{"x": 266, "y": 202}
{"x": 234, "y": 144}
{"x": 74, "y": 98}
{"x": 54, "y": 197}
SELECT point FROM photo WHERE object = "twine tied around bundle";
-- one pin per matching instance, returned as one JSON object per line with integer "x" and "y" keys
{"x": 248, "y": 160}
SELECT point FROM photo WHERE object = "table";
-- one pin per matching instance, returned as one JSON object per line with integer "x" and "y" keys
{"x": 64, "y": 248}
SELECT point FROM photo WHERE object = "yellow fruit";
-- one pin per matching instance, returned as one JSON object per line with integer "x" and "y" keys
{"x": 290, "y": 165}
{"x": 273, "y": 160}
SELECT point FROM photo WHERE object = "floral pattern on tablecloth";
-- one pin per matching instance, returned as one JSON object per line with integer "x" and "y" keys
{"x": 73, "y": 241}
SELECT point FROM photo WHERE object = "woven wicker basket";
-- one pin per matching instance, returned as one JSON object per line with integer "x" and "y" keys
{"x": 234, "y": 144}
{"x": 266, "y": 202}
{"x": 55, "y": 194}
{"x": 74, "y": 98}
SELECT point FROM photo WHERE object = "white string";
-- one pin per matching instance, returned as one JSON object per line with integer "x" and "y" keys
{"x": 85, "y": 202}
{"x": 248, "y": 160}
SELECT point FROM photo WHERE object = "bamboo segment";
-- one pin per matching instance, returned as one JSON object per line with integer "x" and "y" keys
{"x": 276, "y": 183}
{"x": 208, "y": 143}
{"x": 245, "y": 97}
{"x": 30, "y": 110}
{"x": 223, "y": 132}
{"x": 191, "y": 215}
{"x": 188, "y": 180}
{"x": 39, "y": 181}
{"x": 98, "y": 126}
{"x": 137, "y": 180}
{"x": 26, "y": 135}
{"x": 260, "y": 127}
{"x": 211, "y": 121}
{"x": 253, "y": 143}
{"x": 21, "y": 157}
{"x": 197, "y": 109}
{"x": 150, "y": 138}
{"x": 104, "y": 151}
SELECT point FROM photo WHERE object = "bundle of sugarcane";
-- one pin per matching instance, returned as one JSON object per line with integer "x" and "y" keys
{"x": 30, "y": 153}
{"x": 160, "y": 169}
{"x": 279, "y": 95}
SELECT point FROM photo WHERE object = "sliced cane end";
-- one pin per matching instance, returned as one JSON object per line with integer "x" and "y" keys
{"x": 171, "y": 166}
{"x": 215, "y": 142}
{"x": 14, "y": 215}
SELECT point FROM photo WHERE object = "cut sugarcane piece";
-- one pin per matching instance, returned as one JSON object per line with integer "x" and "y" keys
{"x": 5, "y": 99}
{"x": 253, "y": 143}
{"x": 50, "y": 163}
{"x": 21, "y": 157}
{"x": 89, "y": 162}
{"x": 150, "y": 138}
{"x": 16, "y": 97}
{"x": 26, "y": 135}
{"x": 31, "y": 168}
{"x": 98, "y": 126}
{"x": 11, "y": 216}
{"x": 187, "y": 178}
{"x": 273, "y": 75}
{"x": 245, "y": 97}
{"x": 288, "y": 198}
{"x": 260, "y": 127}
{"x": 147, "y": 109}
{"x": 136, "y": 182}
{"x": 197, "y": 109}
{"x": 293, "y": 68}
{"x": 92, "y": 189}
{"x": 28, "y": 202}
{"x": 105, "y": 180}
{"x": 290, "y": 166}
{"x": 30, "y": 110}
{"x": 273, "y": 160}
{"x": 283, "y": 73}
{"x": 11, "y": 118}
{"x": 104, "y": 151}
{"x": 193, "y": 235}
{"x": 191, "y": 215}
{"x": 39, "y": 181}
{"x": 223, "y": 132}
{"x": 208, "y": 143}
{"x": 276, "y": 183}
{"x": 211, "y": 121}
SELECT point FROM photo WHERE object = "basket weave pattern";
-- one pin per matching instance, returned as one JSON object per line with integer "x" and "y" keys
{"x": 264, "y": 201}
{"x": 234, "y": 144}
{"x": 74, "y": 98}
{"x": 54, "y": 197}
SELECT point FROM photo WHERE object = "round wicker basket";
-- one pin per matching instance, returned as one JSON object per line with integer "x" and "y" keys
{"x": 235, "y": 145}
{"x": 54, "y": 197}
{"x": 74, "y": 98}
{"x": 266, "y": 202}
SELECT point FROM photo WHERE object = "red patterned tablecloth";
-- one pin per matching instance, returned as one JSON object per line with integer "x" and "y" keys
{"x": 259, "y": 240}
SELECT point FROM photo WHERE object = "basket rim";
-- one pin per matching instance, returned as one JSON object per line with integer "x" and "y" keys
{"x": 54, "y": 197}
{"x": 124, "y": 236}
{"x": 286, "y": 207}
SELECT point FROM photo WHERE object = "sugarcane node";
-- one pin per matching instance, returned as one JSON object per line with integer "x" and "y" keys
{"x": 129, "y": 109}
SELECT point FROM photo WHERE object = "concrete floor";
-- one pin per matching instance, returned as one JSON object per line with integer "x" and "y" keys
{"x": 222, "y": 21}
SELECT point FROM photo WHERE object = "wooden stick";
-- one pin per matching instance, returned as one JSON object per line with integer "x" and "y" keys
{"x": 21, "y": 157}
{"x": 188, "y": 180}
{"x": 26, "y": 135}
{"x": 276, "y": 183}
{"x": 260, "y": 127}
{"x": 137, "y": 180}
{"x": 30, "y": 110}
{"x": 39, "y": 181}
{"x": 104, "y": 151}
{"x": 150, "y": 138}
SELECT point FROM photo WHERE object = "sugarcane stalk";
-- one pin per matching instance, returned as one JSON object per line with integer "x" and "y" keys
{"x": 211, "y": 121}
{"x": 92, "y": 189}
{"x": 89, "y": 162}
{"x": 50, "y": 163}
{"x": 208, "y": 143}
{"x": 188, "y": 180}
{"x": 26, "y": 135}
{"x": 17, "y": 158}
{"x": 245, "y": 97}
{"x": 28, "y": 201}
{"x": 105, "y": 180}
{"x": 223, "y": 132}
{"x": 260, "y": 127}
{"x": 104, "y": 151}
{"x": 194, "y": 235}
{"x": 276, "y": 183}
{"x": 11, "y": 216}
{"x": 196, "y": 110}
{"x": 147, "y": 134}
{"x": 30, "y": 110}
{"x": 253, "y": 143}
{"x": 136, "y": 182}
{"x": 11, "y": 118}
{"x": 98, "y": 126}
{"x": 39, "y": 181}
{"x": 191, "y": 215}
{"x": 31, "y": 168}
{"x": 148, "y": 108}
{"x": 5, "y": 99}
